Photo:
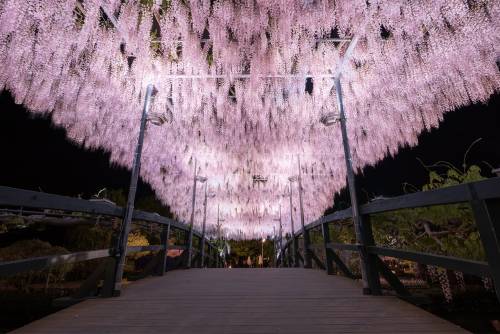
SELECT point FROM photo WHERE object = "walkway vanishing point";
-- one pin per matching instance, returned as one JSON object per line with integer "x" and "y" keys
{"x": 251, "y": 301}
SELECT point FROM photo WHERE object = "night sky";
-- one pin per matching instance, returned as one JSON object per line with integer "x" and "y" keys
{"x": 36, "y": 155}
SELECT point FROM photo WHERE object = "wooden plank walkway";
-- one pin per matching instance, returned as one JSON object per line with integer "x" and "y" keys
{"x": 243, "y": 301}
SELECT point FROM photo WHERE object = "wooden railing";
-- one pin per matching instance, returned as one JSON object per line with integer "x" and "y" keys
{"x": 31, "y": 200}
{"x": 484, "y": 199}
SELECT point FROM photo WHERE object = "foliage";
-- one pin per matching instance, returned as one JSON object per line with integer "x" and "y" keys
{"x": 443, "y": 229}
{"x": 25, "y": 249}
{"x": 83, "y": 237}
{"x": 137, "y": 238}
{"x": 242, "y": 249}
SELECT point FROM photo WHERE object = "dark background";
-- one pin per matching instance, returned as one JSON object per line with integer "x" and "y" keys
{"x": 36, "y": 155}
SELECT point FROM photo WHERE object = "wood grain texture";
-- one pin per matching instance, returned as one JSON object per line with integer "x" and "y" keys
{"x": 285, "y": 300}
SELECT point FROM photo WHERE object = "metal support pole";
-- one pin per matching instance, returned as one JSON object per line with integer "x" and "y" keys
{"x": 281, "y": 240}
{"x": 307, "y": 252}
{"x": 121, "y": 251}
{"x": 202, "y": 242}
{"x": 262, "y": 253}
{"x": 370, "y": 278}
{"x": 294, "y": 240}
{"x": 191, "y": 222}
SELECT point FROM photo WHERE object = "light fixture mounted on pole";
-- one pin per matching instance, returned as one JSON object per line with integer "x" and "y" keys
{"x": 294, "y": 240}
{"x": 202, "y": 244}
{"x": 121, "y": 248}
{"x": 280, "y": 231}
{"x": 371, "y": 282}
{"x": 201, "y": 179}
{"x": 305, "y": 233}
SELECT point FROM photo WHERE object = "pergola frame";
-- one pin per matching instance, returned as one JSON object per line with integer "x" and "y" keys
{"x": 368, "y": 268}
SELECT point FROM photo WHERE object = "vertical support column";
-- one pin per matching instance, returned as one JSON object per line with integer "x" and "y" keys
{"x": 121, "y": 249}
{"x": 282, "y": 258}
{"x": 210, "y": 255}
{"x": 191, "y": 223}
{"x": 294, "y": 240}
{"x": 202, "y": 241}
{"x": 325, "y": 230}
{"x": 369, "y": 273}
{"x": 305, "y": 232}
{"x": 165, "y": 236}
{"x": 486, "y": 215}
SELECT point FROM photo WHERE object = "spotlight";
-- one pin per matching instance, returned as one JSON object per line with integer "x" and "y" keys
{"x": 329, "y": 119}
{"x": 201, "y": 179}
{"x": 259, "y": 178}
{"x": 157, "y": 118}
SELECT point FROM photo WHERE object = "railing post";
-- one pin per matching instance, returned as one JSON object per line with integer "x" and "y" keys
{"x": 370, "y": 259}
{"x": 325, "y": 230}
{"x": 210, "y": 256}
{"x": 188, "y": 250}
{"x": 295, "y": 251}
{"x": 371, "y": 282}
{"x": 202, "y": 252}
{"x": 307, "y": 251}
{"x": 486, "y": 215}
{"x": 165, "y": 235}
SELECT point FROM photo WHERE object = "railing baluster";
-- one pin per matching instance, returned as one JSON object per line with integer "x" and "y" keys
{"x": 296, "y": 255}
{"x": 165, "y": 235}
{"x": 370, "y": 260}
{"x": 307, "y": 252}
{"x": 325, "y": 230}
{"x": 189, "y": 248}
{"x": 202, "y": 251}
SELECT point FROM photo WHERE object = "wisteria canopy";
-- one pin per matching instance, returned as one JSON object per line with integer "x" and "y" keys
{"x": 231, "y": 78}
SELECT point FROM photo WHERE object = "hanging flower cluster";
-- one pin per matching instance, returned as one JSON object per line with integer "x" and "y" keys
{"x": 231, "y": 79}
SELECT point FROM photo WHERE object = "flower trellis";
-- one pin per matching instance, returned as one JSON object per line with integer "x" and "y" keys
{"x": 231, "y": 79}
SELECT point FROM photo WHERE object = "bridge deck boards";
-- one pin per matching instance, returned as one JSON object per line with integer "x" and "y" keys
{"x": 250, "y": 301}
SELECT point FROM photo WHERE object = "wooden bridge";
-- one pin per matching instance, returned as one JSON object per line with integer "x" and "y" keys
{"x": 251, "y": 301}
{"x": 289, "y": 299}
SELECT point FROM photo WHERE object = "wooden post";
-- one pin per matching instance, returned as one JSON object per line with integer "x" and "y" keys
{"x": 371, "y": 260}
{"x": 487, "y": 214}
{"x": 210, "y": 255}
{"x": 295, "y": 250}
{"x": 165, "y": 235}
{"x": 328, "y": 252}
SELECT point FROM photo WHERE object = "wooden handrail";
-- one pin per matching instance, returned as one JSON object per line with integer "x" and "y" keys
{"x": 12, "y": 197}
{"x": 484, "y": 197}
